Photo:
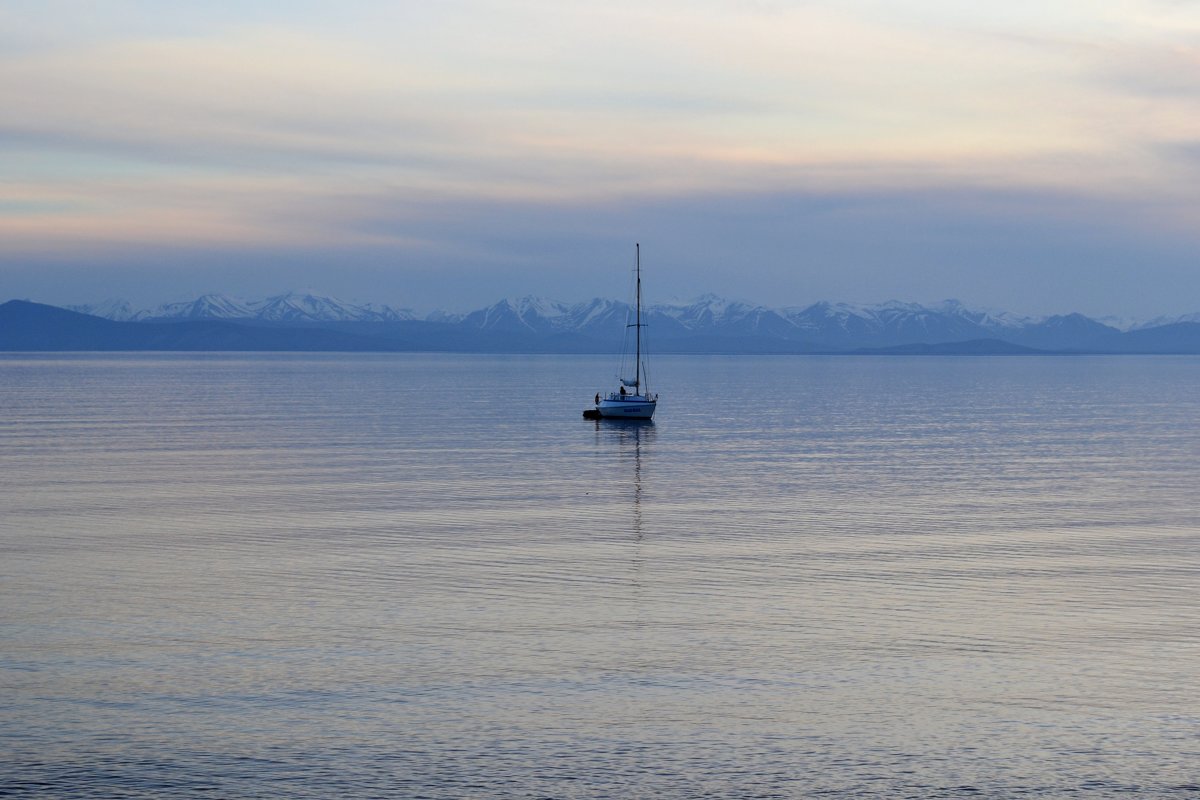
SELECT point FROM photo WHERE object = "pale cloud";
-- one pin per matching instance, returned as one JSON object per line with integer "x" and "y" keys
{"x": 64, "y": 219}
{"x": 300, "y": 124}
{"x": 787, "y": 88}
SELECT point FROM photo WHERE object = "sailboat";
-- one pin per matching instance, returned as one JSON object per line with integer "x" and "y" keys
{"x": 632, "y": 400}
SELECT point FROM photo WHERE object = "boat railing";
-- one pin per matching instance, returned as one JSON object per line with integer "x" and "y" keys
{"x": 636, "y": 398}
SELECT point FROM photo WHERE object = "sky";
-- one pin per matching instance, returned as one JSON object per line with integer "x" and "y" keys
{"x": 1041, "y": 157}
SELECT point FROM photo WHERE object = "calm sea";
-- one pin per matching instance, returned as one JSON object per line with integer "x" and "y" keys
{"x": 426, "y": 576}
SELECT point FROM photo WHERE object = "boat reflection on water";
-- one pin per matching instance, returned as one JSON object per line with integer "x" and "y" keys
{"x": 632, "y": 436}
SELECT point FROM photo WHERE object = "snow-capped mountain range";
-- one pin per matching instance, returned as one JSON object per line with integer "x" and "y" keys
{"x": 540, "y": 314}
{"x": 708, "y": 318}
{"x": 838, "y": 325}
{"x": 288, "y": 307}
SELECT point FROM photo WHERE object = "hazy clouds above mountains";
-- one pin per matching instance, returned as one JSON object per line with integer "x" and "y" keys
{"x": 1032, "y": 156}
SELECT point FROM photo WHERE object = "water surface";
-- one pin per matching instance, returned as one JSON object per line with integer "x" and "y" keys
{"x": 426, "y": 576}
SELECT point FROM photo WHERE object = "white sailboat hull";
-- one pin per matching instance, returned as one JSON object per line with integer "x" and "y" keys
{"x": 627, "y": 408}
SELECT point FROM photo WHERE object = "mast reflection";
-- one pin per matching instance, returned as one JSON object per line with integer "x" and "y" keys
{"x": 631, "y": 436}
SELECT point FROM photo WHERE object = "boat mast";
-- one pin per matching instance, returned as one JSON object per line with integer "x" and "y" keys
{"x": 637, "y": 369}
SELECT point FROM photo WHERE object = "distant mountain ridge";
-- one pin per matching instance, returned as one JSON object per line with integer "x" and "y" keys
{"x": 287, "y": 307}
{"x": 26, "y": 326}
{"x": 706, "y": 324}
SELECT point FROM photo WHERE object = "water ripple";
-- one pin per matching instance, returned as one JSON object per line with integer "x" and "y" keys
{"x": 251, "y": 576}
